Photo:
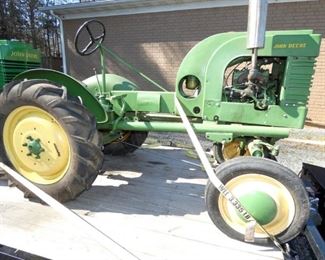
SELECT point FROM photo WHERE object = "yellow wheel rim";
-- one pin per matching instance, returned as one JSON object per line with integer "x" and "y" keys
{"x": 28, "y": 123}
{"x": 233, "y": 149}
{"x": 246, "y": 183}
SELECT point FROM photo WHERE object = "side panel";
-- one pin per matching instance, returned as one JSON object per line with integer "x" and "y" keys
{"x": 288, "y": 116}
{"x": 208, "y": 60}
{"x": 74, "y": 88}
{"x": 148, "y": 101}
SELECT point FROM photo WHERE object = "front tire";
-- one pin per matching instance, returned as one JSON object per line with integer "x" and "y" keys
{"x": 49, "y": 138}
{"x": 272, "y": 193}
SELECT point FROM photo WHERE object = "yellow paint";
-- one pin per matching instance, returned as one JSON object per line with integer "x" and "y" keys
{"x": 242, "y": 184}
{"x": 280, "y": 46}
{"x": 293, "y": 45}
{"x": 35, "y": 122}
{"x": 232, "y": 149}
{"x": 20, "y": 54}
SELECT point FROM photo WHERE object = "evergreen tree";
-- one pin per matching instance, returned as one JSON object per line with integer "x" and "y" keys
{"x": 22, "y": 20}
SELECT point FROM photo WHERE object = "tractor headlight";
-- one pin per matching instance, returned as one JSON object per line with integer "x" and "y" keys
{"x": 190, "y": 86}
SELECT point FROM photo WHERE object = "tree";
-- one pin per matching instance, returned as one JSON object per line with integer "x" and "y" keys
{"x": 23, "y": 20}
{"x": 11, "y": 20}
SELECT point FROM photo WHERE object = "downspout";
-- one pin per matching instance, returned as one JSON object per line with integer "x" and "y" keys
{"x": 64, "y": 58}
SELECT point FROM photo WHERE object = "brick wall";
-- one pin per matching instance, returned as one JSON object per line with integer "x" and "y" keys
{"x": 156, "y": 43}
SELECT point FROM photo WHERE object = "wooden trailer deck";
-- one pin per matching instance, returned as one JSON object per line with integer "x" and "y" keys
{"x": 151, "y": 202}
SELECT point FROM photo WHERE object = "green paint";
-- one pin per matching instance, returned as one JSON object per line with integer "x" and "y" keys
{"x": 260, "y": 205}
{"x": 205, "y": 127}
{"x": 143, "y": 101}
{"x": 19, "y": 51}
{"x": 113, "y": 82}
{"x": 16, "y": 57}
{"x": 219, "y": 137}
{"x": 34, "y": 147}
{"x": 279, "y": 105}
{"x": 74, "y": 88}
{"x": 209, "y": 59}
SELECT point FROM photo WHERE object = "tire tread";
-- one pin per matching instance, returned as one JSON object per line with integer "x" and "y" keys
{"x": 81, "y": 131}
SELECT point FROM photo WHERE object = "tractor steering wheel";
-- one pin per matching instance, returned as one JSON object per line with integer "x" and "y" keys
{"x": 95, "y": 39}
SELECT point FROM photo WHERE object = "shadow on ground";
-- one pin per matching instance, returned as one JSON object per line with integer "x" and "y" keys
{"x": 3, "y": 182}
{"x": 149, "y": 181}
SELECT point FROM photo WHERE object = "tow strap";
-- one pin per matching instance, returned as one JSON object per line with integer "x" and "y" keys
{"x": 117, "y": 250}
{"x": 251, "y": 222}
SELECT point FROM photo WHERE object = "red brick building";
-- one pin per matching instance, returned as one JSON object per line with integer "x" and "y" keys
{"x": 156, "y": 35}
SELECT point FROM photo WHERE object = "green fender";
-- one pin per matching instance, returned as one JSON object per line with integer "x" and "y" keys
{"x": 74, "y": 87}
{"x": 113, "y": 82}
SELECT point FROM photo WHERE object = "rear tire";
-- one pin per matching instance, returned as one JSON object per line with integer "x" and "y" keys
{"x": 38, "y": 110}
{"x": 127, "y": 143}
{"x": 249, "y": 175}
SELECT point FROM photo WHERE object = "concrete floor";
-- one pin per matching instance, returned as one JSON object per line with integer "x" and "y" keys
{"x": 151, "y": 202}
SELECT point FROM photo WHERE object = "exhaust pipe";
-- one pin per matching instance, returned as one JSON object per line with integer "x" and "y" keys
{"x": 256, "y": 25}
{"x": 257, "y": 14}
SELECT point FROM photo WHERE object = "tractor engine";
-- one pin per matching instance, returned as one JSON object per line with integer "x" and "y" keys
{"x": 262, "y": 91}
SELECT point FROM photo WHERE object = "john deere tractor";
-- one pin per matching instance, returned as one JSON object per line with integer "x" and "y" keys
{"x": 55, "y": 128}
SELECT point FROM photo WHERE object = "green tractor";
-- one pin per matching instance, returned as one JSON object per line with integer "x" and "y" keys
{"x": 55, "y": 128}
{"x": 16, "y": 57}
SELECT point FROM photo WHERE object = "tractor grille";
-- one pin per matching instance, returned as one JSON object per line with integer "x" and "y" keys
{"x": 299, "y": 74}
{"x": 9, "y": 69}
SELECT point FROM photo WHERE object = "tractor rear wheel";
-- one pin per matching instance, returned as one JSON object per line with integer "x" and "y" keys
{"x": 270, "y": 192}
{"x": 127, "y": 143}
{"x": 49, "y": 138}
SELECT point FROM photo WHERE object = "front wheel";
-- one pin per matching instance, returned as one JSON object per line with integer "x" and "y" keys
{"x": 49, "y": 138}
{"x": 270, "y": 192}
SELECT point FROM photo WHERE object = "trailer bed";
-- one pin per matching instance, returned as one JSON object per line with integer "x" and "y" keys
{"x": 151, "y": 202}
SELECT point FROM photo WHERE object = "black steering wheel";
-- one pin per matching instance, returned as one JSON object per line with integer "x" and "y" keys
{"x": 95, "y": 39}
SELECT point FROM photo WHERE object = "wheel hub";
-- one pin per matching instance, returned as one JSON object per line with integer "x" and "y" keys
{"x": 34, "y": 147}
{"x": 36, "y": 144}
{"x": 260, "y": 205}
{"x": 265, "y": 198}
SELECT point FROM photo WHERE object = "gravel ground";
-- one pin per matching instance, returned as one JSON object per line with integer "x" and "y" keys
{"x": 310, "y": 149}
{"x": 304, "y": 145}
